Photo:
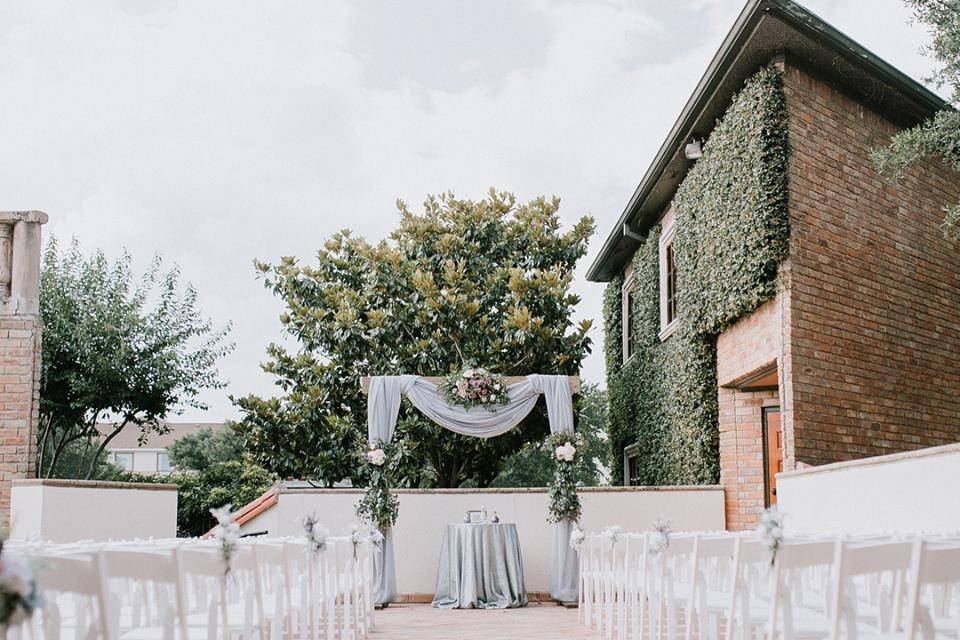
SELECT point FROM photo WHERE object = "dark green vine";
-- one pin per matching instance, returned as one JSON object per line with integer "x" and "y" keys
{"x": 732, "y": 232}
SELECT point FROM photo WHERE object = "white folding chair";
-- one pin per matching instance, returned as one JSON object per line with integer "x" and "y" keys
{"x": 933, "y": 609}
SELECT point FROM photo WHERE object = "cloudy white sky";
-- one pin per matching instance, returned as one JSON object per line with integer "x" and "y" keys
{"x": 213, "y": 132}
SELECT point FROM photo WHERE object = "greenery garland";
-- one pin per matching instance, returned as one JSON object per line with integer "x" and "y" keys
{"x": 564, "y": 500}
{"x": 732, "y": 234}
{"x": 378, "y": 505}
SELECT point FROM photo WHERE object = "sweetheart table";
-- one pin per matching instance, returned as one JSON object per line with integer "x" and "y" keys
{"x": 480, "y": 568}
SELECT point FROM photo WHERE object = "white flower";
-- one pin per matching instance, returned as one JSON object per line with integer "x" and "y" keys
{"x": 376, "y": 457}
{"x": 376, "y": 537}
{"x": 565, "y": 452}
{"x": 469, "y": 373}
{"x": 577, "y": 536}
{"x": 15, "y": 576}
{"x": 612, "y": 534}
{"x": 770, "y": 530}
{"x": 224, "y": 514}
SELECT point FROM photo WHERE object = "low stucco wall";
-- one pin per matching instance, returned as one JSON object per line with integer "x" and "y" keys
{"x": 425, "y": 513}
{"x": 903, "y": 492}
{"x": 71, "y": 510}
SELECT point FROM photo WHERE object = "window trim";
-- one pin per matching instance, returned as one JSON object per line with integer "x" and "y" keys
{"x": 667, "y": 325}
{"x": 630, "y": 451}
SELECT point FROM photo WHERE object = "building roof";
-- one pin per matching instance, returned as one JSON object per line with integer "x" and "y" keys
{"x": 129, "y": 437}
{"x": 762, "y": 31}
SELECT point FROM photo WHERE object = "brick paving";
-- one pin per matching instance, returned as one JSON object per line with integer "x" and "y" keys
{"x": 536, "y": 621}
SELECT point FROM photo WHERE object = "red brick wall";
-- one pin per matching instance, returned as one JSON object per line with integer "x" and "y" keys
{"x": 875, "y": 288}
{"x": 752, "y": 343}
{"x": 19, "y": 402}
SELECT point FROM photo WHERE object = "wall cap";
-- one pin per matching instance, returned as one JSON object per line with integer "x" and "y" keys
{"x": 24, "y": 216}
{"x": 928, "y": 452}
{"x": 284, "y": 488}
{"x": 92, "y": 484}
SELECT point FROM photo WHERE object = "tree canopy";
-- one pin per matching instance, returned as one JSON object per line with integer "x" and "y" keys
{"x": 938, "y": 137}
{"x": 205, "y": 448}
{"x": 117, "y": 349}
{"x": 463, "y": 281}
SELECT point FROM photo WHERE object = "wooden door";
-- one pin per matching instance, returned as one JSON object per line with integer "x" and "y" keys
{"x": 772, "y": 452}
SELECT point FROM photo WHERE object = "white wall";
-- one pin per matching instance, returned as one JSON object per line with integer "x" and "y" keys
{"x": 425, "y": 513}
{"x": 913, "y": 491}
{"x": 71, "y": 510}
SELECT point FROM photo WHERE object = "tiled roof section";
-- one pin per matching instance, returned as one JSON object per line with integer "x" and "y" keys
{"x": 129, "y": 437}
{"x": 251, "y": 510}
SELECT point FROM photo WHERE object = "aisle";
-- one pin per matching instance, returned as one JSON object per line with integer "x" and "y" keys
{"x": 539, "y": 621}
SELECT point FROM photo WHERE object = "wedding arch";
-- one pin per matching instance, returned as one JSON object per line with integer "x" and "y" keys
{"x": 383, "y": 406}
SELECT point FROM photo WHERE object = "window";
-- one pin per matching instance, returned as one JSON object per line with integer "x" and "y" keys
{"x": 124, "y": 459}
{"x": 629, "y": 311}
{"x": 631, "y": 466}
{"x": 163, "y": 462}
{"x": 668, "y": 277}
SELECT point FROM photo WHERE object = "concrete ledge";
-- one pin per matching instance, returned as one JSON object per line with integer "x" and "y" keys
{"x": 928, "y": 452}
{"x": 93, "y": 484}
{"x": 25, "y": 216}
{"x": 285, "y": 488}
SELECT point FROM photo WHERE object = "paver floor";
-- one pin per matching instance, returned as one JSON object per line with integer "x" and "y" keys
{"x": 536, "y": 621}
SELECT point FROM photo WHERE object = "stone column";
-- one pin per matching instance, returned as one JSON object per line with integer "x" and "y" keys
{"x": 20, "y": 335}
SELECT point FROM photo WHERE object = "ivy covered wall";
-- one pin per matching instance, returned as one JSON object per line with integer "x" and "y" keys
{"x": 732, "y": 233}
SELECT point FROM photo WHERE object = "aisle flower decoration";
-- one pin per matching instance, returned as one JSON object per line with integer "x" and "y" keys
{"x": 315, "y": 533}
{"x": 564, "y": 500}
{"x": 660, "y": 538}
{"x": 227, "y": 535}
{"x": 378, "y": 506}
{"x": 474, "y": 387}
{"x": 612, "y": 535}
{"x": 19, "y": 596}
{"x": 577, "y": 536}
{"x": 771, "y": 532}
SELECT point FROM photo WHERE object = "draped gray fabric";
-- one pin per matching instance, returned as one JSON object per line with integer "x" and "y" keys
{"x": 383, "y": 406}
{"x": 480, "y": 568}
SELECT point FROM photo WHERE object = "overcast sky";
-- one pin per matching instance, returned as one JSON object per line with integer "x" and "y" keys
{"x": 216, "y": 132}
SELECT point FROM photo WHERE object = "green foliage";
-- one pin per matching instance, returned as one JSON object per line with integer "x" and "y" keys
{"x": 485, "y": 281}
{"x": 532, "y": 466}
{"x": 938, "y": 137}
{"x": 232, "y": 482}
{"x": 205, "y": 448}
{"x": 116, "y": 348}
{"x": 732, "y": 231}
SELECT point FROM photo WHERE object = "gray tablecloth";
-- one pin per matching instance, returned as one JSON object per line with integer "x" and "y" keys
{"x": 480, "y": 567}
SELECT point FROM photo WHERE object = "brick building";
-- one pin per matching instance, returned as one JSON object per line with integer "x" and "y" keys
{"x": 857, "y": 351}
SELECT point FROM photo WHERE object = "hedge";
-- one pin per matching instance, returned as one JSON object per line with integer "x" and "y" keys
{"x": 731, "y": 236}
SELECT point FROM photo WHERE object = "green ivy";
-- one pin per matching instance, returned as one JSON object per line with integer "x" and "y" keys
{"x": 732, "y": 235}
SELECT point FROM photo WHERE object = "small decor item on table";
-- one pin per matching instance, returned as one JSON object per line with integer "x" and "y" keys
{"x": 577, "y": 536}
{"x": 770, "y": 531}
{"x": 564, "y": 501}
{"x": 474, "y": 387}
{"x": 660, "y": 538}
{"x": 495, "y": 518}
{"x": 315, "y": 533}
{"x": 474, "y": 516}
{"x": 227, "y": 534}
{"x": 19, "y": 597}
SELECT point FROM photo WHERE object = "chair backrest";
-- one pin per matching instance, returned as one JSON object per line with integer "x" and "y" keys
{"x": 151, "y": 565}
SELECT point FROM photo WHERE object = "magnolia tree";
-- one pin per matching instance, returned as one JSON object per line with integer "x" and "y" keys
{"x": 118, "y": 350}
{"x": 939, "y": 137}
{"x": 484, "y": 282}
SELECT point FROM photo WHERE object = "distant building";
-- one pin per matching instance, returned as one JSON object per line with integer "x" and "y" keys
{"x": 152, "y": 456}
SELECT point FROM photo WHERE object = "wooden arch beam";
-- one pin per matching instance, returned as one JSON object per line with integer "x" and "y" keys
{"x": 574, "y": 382}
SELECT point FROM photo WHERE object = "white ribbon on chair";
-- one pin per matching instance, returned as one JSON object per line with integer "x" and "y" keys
{"x": 383, "y": 407}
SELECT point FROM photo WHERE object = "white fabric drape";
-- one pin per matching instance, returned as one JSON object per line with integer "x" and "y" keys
{"x": 383, "y": 406}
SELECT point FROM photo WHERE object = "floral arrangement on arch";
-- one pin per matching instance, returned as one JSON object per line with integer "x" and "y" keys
{"x": 474, "y": 387}
{"x": 564, "y": 500}
{"x": 378, "y": 506}
{"x": 19, "y": 596}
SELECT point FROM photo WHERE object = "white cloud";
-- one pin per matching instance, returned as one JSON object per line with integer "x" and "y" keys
{"x": 217, "y": 132}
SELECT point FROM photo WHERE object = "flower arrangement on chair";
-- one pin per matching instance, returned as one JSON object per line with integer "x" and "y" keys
{"x": 474, "y": 387}
{"x": 19, "y": 596}
{"x": 770, "y": 531}
{"x": 660, "y": 538}
{"x": 227, "y": 535}
{"x": 315, "y": 533}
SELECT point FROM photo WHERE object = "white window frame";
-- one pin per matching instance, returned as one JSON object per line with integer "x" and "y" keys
{"x": 625, "y": 327}
{"x": 669, "y": 230}
{"x": 116, "y": 460}
{"x": 161, "y": 469}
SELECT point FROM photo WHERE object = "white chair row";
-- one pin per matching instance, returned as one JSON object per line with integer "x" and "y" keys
{"x": 179, "y": 590}
{"x": 723, "y": 586}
